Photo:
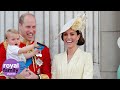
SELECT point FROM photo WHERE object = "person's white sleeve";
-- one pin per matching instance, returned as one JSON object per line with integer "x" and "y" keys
{"x": 53, "y": 68}
{"x": 14, "y": 49}
{"x": 88, "y": 67}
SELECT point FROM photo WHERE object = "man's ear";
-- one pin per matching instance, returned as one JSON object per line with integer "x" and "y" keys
{"x": 6, "y": 40}
{"x": 19, "y": 27}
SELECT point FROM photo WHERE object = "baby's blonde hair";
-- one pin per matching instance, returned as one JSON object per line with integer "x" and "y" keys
{"x": 14, "y": 31}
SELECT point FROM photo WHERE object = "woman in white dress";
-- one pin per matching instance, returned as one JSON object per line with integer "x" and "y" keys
{"x": 118, "y": 70}
{"x": 73, "y": 63}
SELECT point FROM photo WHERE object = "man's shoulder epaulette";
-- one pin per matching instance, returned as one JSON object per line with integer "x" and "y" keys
{"x": 42, "y": 46}
{"x": 3, "y": 44}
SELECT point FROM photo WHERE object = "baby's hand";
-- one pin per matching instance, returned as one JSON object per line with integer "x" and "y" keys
{"x": 36, "y": 45}
{"x": 36, "y": 51}
{"x": 27, "y": 74}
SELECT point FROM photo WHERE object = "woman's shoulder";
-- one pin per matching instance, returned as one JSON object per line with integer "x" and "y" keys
{"x": 85, "y": 53}
{"x": 60, "y": 54}
{"x": 87, "y": 56}
{"x": 88, "y": 53}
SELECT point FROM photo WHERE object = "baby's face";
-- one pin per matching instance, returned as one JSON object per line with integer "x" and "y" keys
{"x": 13, "y": 39}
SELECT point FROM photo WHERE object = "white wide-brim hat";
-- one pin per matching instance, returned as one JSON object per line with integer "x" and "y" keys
{"x": 78, "y": 23}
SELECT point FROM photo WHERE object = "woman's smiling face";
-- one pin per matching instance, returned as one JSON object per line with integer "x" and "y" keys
{"x": 70, "y": 38}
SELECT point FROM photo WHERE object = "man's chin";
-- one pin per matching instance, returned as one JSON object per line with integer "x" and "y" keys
{"x": 30, "y": 39}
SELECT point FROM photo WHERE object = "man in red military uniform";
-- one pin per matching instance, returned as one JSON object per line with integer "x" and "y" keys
{"x": 41, "y": 64}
